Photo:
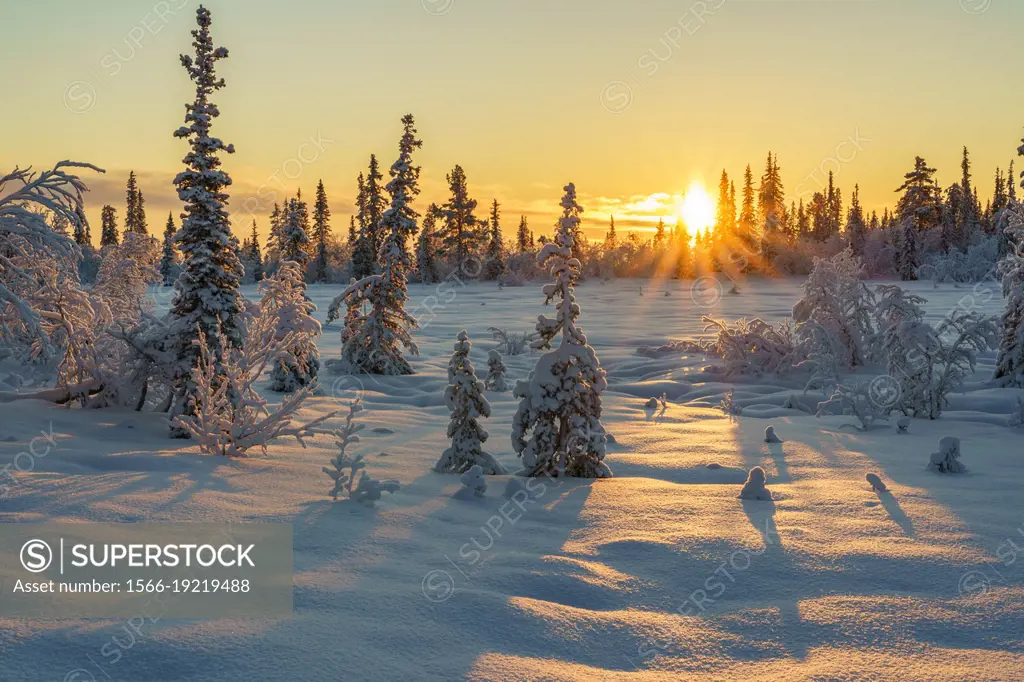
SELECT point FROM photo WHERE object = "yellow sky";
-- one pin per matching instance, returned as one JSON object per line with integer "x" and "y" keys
{"x": 631, "y": 101}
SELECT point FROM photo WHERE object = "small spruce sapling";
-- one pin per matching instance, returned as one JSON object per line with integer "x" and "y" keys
{"x": 366, "y": 489}
{"x": 465, "y": 400}
{"x": 495, "y": 373}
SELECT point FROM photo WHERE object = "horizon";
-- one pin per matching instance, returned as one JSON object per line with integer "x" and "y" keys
{"x": 646, "y": 89}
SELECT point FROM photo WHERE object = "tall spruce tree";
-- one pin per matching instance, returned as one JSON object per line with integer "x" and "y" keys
{"x": 747, "y": 219}
{"x": 770, "y": 201}
{"x": 364, "y": 258}
{"x": 108, "y": 227}
{"x": 494, "y": 259}
{"x": 375, "y": 204}
{"x": 169, "y": 256}
{"x": 376, "y": 347}
{"x": 427, "y": 269}
{"x": 321, "y": 233}
{"x": 856, "y": 230}
{"x": 611, "y": 239}
{"x": 463, "y": 232}
{"x": 207, "y": 300}
{"x": 524, "y": 239}
{"x": 255, "y": 254}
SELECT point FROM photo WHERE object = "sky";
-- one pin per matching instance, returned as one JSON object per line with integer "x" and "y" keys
{"x": 634, "y": 102}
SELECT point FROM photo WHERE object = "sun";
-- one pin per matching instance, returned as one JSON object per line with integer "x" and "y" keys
{"x": 697, "y": 209}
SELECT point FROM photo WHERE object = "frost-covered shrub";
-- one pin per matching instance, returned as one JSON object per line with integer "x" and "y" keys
{"x": 1017, "y": 416}
{"x": 753, "y": 347}
{"x": 511, "y": 343}
{"x": 947, "y": 459}
{"x": 495, "y": 380}
{"x": 961, "y": 337}
{"x": 227, "y": 415}
{"x": 38, "y": 265}
{"x": 557, "y": 429}
{"x": 754, "y": 488}
{"x": 855, "y": 400}
{"x": 837, "y": 300}
{"x": 365, "y": 489}
{"x": 465, "y": 400}
{"x": 822, "y": 352}
{"x": 909, "y": 345}
{"x": 976, "y": 265}
{"x": 769, "y": 435}
{"x": 284, "y": 299}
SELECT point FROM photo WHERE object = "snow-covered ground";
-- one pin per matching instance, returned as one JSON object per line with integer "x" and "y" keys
{"x": 660, "y": 573}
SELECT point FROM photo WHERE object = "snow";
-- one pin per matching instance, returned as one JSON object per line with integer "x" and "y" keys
{"x": 657, "y": 574}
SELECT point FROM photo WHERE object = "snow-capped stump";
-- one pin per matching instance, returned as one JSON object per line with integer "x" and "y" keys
{"x": 495, "y": 380}
{"x": 475, "y": 480}
{"x": 465, "y": 400}
{"x": 769, "y": 435}
{"x": 876, "y": 482}
{"x": 903, "y": 424}
{"x": 947, "y": 459}
{"x": 754, "y": 488}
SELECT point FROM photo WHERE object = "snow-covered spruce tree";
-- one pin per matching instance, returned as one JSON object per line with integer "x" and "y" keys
{"x": 839, "y": 301}
{"x": 495, "y": 380}
{"x": 465, "y": 399}
{"x": 321, "y": 233}
{"x": 284, "y": 298}
{"x": 207, "y": 302}
{"x": 463, "y": 233}
{"x": 108, "y": 227}
{"x": 294, "y": 238}
{"x": 909, "y": 345}
{"x": 557, "y": 429}
{"x": 427, "y": 271}
{"x": 255, "y": 255}
{"x": 169, "y": 255}
{"x": 494, "y": 258}
{"x": 376, "y": 348}
{"x": 1010, "y": 361}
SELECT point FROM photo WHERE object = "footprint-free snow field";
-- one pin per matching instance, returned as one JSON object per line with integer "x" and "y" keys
{"x": 660, "y": 573}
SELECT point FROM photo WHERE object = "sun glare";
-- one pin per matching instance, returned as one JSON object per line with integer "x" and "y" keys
{"x": 698, "y": 209}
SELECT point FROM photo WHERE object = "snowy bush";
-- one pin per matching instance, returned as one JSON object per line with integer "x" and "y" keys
{"x": 475, "y": 480}
{"x": 822, "y": 351}
{"x": 976, "y": 265}
{"x": 511, "y": 343}
{"x": 753, "y": 347}
{"x": 557, "y": 429}
{"x": 285, "y": 301}
{"x": 754, "y": 488}
{"x": 495, "y": 380}
{"x": 855, "y": 400}
{"x": 947, "y": 459}
{"x": 366, "y": 489}
{"x": 838, "y": 301}
{"x": 1017, "y": 417}
{"x": 227, "y": 416}
{"x": 38, "y": 266}
{"x": 769, "y": 435}
{"x": 465, "y": 400}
